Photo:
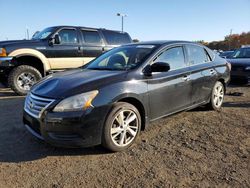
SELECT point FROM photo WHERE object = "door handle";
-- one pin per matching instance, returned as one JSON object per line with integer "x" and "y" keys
{"x": 212, "y": 71}
{"x": 186, "y": 78}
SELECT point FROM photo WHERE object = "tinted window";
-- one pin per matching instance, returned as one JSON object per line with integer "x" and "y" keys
{"x": 116, "y": 38}
{"x": 91, "y": 37}
{"x": 68, "y": 36}
{"x": 197, "y": 55}
{"x": 174, "y": 57}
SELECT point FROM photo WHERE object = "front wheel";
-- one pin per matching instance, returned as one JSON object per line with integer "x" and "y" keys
{"x": 122, "y": 127}
{"x": 22, "y": 78}
{"x": 217, "y": 96}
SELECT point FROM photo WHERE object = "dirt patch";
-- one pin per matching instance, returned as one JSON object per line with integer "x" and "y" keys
{"x": 194, "y": 148}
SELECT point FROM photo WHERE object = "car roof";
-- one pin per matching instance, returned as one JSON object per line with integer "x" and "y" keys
{"x": 162, "y": 42}
{"x": 83, "y": 27}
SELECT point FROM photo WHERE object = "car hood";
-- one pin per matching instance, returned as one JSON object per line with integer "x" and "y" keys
{"x": 76, "y": 81}
{"x": 16, "y": 42}
{"x": 240, "y": 61}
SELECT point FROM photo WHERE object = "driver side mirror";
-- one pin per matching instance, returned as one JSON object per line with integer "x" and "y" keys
{"x": 55, "y": 40}
{"x": 156, "y": 67}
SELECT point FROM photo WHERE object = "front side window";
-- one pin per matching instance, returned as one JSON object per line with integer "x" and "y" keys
{"x": 68, "y": 36}
{"x": 122, "y": 58}
{"x": 174, "y": 57}
{"x": 196, "y": 55}
{"x": 91, "y": 37}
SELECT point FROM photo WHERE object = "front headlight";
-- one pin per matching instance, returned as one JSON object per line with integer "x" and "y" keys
{"x": 76, "y": 102}
{"x": 3, "y": 52}
{"x": 247, "y": 68}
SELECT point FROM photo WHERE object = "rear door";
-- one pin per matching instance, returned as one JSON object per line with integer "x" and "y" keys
{"x": 170, "y": 91}
{"x": 202, "y": 72}
{"x": 92, "y": 44}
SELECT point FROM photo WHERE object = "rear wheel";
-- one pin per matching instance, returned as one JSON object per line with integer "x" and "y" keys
{"x": 22, "y": 78}
{"x": 217, "y": 96}
{"x": 121, "y": 127}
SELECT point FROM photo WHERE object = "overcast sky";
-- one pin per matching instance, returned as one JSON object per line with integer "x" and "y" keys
{"x": 207, "y": 20}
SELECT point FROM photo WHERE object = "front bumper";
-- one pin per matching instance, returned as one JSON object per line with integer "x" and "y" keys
{"x": 6, "y": 63}
{"x": 71, "y": 129}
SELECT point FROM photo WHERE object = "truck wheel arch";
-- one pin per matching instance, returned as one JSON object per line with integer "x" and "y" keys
{"x": 26, "y": 52}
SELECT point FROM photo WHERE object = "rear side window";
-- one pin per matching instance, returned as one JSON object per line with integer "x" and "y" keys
{"x": 174, "y": 57}
{"x": 116, "y": 38}
{"x": 68, "y": 36}
{"x": 91, "y": 37}
{"x": 197, "y": 55}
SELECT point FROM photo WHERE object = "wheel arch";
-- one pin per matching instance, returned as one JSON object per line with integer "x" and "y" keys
{"x": 223, "y": 82}
{"x": 32, "y": 54}
{"x": 139, "y": 105}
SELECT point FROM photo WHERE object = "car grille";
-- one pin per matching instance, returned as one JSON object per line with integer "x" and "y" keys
{"x": 35, "y": 105}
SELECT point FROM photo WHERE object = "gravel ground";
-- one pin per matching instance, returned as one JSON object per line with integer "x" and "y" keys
{"x": 195, "y": 148}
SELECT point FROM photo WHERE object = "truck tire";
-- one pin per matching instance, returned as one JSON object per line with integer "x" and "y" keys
{"x": 22, "y": 78}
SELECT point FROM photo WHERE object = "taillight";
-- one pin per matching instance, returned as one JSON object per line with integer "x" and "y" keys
{"x": 229, "y": 66}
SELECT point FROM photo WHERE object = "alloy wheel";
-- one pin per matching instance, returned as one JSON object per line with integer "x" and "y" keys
{"x": 124, "y": 128}
{"x": 26, "y": 80}
{"x": 218, "y": 95}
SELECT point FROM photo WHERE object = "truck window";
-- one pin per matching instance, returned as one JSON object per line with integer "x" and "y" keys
{"x": 116, "y": 38}
{"x": 68, "y": 36}
{"x": 92, "y": 37}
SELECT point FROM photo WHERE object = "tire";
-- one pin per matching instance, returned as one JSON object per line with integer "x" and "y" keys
{"x": 125, "y": 133}
{"x": 217, "y": 96}
{"x": 22, "y": 78}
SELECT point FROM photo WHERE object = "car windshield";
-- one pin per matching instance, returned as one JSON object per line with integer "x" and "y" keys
{"x": 44, "y": 33}
{"x": 122, "y": 58}
{"x": 242, "y": 53}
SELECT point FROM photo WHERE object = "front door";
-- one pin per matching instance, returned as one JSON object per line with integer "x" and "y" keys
{"x": 170, "y": 91}
{"x": 68, "y": 53}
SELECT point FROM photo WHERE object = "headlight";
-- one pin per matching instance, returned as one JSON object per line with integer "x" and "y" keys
{"x": 3, "y": 52}
{"x": 247, "y": 68}
{"x": 76, "y": 102}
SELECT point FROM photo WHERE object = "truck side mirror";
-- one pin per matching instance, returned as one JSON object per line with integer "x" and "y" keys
{"x": 57, "y": 39}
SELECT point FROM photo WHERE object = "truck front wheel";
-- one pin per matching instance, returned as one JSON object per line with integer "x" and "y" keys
{"x": 22, "y": 78}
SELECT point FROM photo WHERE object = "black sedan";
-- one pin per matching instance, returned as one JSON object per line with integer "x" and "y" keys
{"x": 240, "y": 62}
{"x": 111, "y": 99}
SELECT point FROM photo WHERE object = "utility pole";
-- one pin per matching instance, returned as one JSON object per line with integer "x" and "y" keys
{"x": 230, "y": 34}
{"x": 28, "y": 35}
{"x": 122, "y": 15}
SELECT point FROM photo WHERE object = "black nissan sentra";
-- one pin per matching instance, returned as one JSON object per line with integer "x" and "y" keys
{"x": 111, "y": 99}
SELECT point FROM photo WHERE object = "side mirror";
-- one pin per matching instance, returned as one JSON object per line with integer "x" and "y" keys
{"x": 57, "y": 39}
{"x": 156, "y": 67}
{"x": 160, "y": 67}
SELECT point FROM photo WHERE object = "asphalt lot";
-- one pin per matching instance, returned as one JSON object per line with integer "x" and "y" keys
{"x": 194, "y": 148}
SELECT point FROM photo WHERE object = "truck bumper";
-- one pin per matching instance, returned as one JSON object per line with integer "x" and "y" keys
{"x": 6, "y": 63}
